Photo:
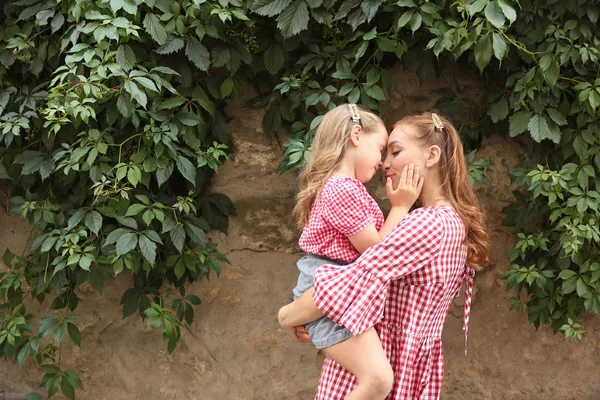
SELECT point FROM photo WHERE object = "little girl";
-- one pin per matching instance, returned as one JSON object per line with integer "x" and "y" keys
{"x": 339, "y": 221}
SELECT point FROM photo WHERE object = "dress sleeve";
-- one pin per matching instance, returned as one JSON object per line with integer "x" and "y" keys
{"x": 345, "y": 207}
{"x": 354, "y": 295}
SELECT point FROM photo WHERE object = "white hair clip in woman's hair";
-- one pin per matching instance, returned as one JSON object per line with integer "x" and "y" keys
{"x": 437, "y": 122}
{"x": 354, "y": 113}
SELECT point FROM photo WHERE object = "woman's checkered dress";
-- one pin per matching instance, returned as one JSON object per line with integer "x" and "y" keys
{"x": 404, "y": 286}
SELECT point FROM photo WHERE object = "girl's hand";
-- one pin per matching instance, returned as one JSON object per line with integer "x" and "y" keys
{"x": 408, "y": 189}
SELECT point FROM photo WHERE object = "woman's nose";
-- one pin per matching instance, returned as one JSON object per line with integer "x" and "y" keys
{"x": 386, "y": 164}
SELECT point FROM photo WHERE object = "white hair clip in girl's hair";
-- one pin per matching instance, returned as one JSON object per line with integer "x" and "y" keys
{"x": 437, "y": 122}
{"x": 354, "y": 113}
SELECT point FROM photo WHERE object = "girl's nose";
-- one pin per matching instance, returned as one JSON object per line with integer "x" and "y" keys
{"x": 379, "y": 165}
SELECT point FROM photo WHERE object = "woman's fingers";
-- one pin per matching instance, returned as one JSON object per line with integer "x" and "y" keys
{"x": 416, "y": 177}
{"x": 403, "y": 177}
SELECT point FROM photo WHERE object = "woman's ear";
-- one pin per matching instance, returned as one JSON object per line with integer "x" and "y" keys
{"x": 433, "y": 156}
{"x": 355, "y": 134}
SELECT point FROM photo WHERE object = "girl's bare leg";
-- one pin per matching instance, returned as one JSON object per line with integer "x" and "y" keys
{"x": 364, "y": 357}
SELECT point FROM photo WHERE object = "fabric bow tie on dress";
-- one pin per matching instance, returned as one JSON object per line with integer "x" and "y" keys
{"x": 469, "y": 276}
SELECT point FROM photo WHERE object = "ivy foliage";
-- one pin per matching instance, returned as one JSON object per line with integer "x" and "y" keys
{"x": 112, "y": 122}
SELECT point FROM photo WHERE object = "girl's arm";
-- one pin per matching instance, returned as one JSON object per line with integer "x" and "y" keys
{"x": 402, "y": 199}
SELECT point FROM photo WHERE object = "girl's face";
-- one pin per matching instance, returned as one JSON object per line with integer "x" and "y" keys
{"x": 403, "y": 149}
{"x": 369, "y": 148}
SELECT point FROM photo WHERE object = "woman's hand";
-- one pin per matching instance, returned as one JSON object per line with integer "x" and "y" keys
{"x": 296, "y": 333}
{"x": 408, "y": 189}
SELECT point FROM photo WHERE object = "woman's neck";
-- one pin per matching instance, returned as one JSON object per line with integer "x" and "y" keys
{"x": 432, "y": 194}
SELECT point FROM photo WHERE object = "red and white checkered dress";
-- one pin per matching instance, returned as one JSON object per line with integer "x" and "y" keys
{"x": 404, "y": 286}
{"x": 343, "y": 208}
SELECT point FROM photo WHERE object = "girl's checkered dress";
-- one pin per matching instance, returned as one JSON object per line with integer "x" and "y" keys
{"x": 403, "y": 286}
{"x": 343, "y": 208}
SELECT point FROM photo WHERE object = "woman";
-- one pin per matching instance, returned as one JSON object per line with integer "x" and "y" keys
{"x": 404, "y": 286}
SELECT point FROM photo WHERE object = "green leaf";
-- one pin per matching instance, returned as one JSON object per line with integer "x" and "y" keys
{"x": 3, "y": 173}
{"x": 162, "y": 174}
{"x": 581, "y": 287}
{"x": 135, "y": 209}
{"x": 372, "y": 76}
{"x": 155, "y": 28}
{"x": 93, "y": 221}
{"x": 552, "y": 73}
{"x": 375, "y": 92}
{"x": 538, "y": 128}
{"x": 73, "y": 379}
{"x": 145, "y": 82}
{"x": 499, "y": 110}
{"x": 227, "y": 87}
{"x": 508, "y": 10}
{"x": 372, "y": 34}
{"x": 115, "y": 235}
{"x": 293, "y": 19}
{"x": 126, "y": 57}
{"x": 198, "y": 54}
{"x": 187, "y": 169}
{"x": 23, "y": 354}
{"x": 483, "y": 52}
{"x": 74, "y": 333}
{"x": 556, "y": 116}
{"x": 67, "y": 389}
{"x": 415, "y": 22}
{"x": 148, "y": 249}
{"x": 343, "y": 75}
{"x": 34, "y": 396}
{"x": 75, "y": 219}
{"x": 404, "y": 19}
{"x": 270, "y": 8}
{"x": 171, "y": 103}
{"x": 172, "y": 45}
{"x": 594, "y": 99}
{"x": 477, "y": 6}
{"x": 274, "y": 58}
{"x": 126, "y": 243}
{"x": 178, "y": 237}
{"x": 494, "y": 14}
{"x": 136, "y": 93}
{"x": 125, "y": 106}
{"x": 566, "y": 274}
{"x": 193, "y": 299}
{"x": 500, "y": 47}
{"x": 116, "y": 5}
{"x": 519, "y": 123}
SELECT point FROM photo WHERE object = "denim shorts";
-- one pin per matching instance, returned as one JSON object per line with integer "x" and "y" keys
{"x": 323, "y": 332}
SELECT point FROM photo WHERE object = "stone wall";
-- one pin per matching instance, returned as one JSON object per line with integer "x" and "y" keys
{"x": 236, "y": 350}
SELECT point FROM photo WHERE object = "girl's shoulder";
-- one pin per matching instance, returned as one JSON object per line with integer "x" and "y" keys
{"x": 343, "y": 186}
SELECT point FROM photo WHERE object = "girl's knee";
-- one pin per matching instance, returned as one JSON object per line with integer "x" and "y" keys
{"x": 380, "y": 381}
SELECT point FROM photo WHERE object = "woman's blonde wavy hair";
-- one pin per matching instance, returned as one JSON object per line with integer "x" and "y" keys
{"x": 326, "y": 154}
{"x": 456, "y": 187}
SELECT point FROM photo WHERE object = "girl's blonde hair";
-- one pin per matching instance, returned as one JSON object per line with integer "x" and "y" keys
{"x": 456, "y": 187}
{"x": 326, "y": 153}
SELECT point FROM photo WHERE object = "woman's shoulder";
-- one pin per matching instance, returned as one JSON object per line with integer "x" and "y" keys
{"x": 426, "y": 218}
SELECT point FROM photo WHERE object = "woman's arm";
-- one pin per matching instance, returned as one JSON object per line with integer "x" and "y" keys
{"x": 354, "y": 295}
{"x": 300, "y": 312}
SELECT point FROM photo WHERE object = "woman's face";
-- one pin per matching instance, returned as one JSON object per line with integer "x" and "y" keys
{"x": 403, "y": 149}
